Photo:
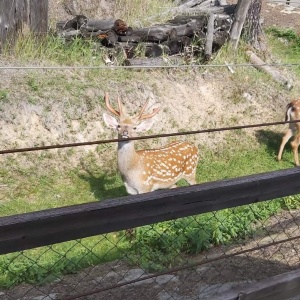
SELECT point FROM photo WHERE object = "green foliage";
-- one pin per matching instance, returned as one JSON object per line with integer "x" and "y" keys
{"x": 45, "y": 264}
{"x": 160, "y": 246}
{"x": 291, "y": 202}
{"x": 3, "y": 95}
{"x": 32, "y": 83}
{"x": 54, "y": 49}
{"x": 289, "y": 34}
{"x": 285, "y": 43}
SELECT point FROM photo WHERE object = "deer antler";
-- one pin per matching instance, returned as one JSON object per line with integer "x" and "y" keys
{"x": 143, "y": 116}
{"x": 111, "y": 109}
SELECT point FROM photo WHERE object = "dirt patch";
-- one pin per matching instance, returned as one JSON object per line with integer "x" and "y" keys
{"x": 281, "y": 15}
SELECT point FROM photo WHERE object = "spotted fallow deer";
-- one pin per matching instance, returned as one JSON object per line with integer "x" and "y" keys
{"x": 292, "y": 113}
{"x": 148, "y": 170}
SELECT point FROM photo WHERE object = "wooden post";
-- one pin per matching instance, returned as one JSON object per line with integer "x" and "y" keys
{"x": 16, "y": 16}
{"x": 209, "y": 36}
{"x": 238, "y": 23}
{"x": 38, "y": 16}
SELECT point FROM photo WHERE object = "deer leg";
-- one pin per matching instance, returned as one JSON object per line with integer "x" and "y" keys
{"x": 285, "y": 139}
{"x": 295, "y": 145}
{"x": 191, "y": 178}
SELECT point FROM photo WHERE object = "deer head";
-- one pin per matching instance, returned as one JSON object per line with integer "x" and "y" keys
{"x": 128, "y": 127}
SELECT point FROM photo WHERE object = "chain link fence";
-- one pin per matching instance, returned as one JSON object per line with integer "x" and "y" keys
{"x": 195, "y": 257}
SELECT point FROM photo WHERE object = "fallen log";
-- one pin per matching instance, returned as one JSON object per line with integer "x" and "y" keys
{"x": 68, "y": 35}
{"x": 227, "y": 9}
{"x": 161, "y": 33}
{"x": 142, "y": 49}
{"x": 74, "y": 23}
{"x": 155, "y": 62}
{"x": 274, "y": 73}
{"x": 81, "y": 22}
{"x": 177, "y": 45}
{"x": 108, "y": 39}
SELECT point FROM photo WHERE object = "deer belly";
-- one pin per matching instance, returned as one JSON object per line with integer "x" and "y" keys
{"x": 134, "y": 183}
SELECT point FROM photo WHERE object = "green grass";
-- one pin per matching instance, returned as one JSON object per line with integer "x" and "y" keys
{"x": 155, "y": 247}
{"x": 285, "y": 44}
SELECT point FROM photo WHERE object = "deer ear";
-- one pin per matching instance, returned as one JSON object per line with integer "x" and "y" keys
{"x": 110, "y": 121}
{"x": 144, "y": 125}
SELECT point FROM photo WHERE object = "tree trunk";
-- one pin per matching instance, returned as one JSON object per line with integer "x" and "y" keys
{"x": 252, "y": 29}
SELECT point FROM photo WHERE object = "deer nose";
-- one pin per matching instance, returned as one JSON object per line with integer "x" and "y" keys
{"x": 125, "y": 134}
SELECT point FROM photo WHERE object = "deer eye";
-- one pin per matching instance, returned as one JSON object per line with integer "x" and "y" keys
{"x": 119, "y": 126}
{"x": 134, "y": 128}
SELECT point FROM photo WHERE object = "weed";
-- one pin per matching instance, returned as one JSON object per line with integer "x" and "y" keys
{"x": 3, "y": 95}
{"x": 291, "y": 202}
{"x": 32, "y": 83}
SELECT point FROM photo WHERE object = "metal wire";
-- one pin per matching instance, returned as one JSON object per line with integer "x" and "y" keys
{"x": 70, "y": 145}
{"x": 284, "y": 2}
{"x": 101, "y": 67}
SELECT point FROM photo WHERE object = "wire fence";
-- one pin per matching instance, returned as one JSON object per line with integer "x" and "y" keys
{"x": 211, "y": 130}
{"x": 105, "y": 67}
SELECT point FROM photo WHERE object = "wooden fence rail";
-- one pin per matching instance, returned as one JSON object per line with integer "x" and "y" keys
{"x": 279, "y": 287}
{"x": 25, "y": 231}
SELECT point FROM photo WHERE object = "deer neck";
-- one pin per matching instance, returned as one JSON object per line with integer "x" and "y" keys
{"x": 127, "y": 156}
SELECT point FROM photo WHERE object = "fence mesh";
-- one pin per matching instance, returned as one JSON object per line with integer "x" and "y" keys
{"x": 189, "y": 258}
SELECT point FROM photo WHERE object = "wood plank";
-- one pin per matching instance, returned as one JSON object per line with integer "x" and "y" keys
{"x": 46, "y": 227}
{"x": 7, "y": 30}
{"x": 238, "y": 22}
{"x": 39, "y": 16}
{"x": 279, "y": 287}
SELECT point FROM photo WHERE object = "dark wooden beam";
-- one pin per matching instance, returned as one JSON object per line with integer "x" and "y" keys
{"x": 279, "y": 287}
{"x": 51, "y": 226}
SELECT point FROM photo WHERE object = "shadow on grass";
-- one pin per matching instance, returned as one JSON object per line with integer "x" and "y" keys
{"x": 104, "y": 186}
{"x": 272, "y": 140}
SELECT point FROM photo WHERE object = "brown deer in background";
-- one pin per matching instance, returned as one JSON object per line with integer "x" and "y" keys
{"x": 148, "y": 170}
{"x": 292, "y": 113}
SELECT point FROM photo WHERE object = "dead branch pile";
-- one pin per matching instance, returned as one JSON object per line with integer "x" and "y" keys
{"x": 200, "y": 28}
